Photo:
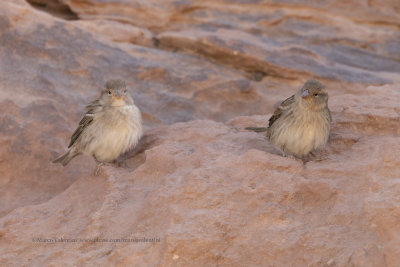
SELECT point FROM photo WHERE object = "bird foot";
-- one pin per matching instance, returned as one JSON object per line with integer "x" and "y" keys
{"x": 289, "y": 156}
{"x": 98, "y": 168}
{"x": 316, "y": 156}
{"x": 120, "y": 163}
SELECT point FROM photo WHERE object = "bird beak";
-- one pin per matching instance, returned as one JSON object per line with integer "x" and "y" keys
{"x": 118, "y": 95}
{"x": 305, "y": 93}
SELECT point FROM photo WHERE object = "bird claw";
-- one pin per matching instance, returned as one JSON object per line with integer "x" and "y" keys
{"x": 98, "y": 168}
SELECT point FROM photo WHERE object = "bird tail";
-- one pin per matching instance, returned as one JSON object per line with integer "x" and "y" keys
{"x": 66, "y": 158}
{"x": 257, "y": 129}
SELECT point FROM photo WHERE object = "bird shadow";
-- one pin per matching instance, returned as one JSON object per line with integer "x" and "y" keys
{"x": 260, "y": 142}
{"x": 136, "y": 157}
{"x": 337, "y": 144}
{"x": 341, "y": 142}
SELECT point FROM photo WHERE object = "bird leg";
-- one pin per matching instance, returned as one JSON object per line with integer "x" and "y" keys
{"x": 98, "y": 166}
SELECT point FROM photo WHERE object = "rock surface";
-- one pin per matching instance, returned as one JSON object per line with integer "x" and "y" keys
{"x": 207, "y": 191}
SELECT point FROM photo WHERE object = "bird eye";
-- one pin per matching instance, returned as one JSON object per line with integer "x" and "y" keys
{"x": 109, "y": 93}
{"x": 316, "y": 94}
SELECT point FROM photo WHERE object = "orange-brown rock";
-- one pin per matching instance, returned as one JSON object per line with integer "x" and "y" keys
{"x": 207, "y": 191}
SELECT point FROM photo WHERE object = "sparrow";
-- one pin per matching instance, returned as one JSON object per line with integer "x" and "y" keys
{"x": 111, "y": 126}
{"x": 301, "y": 123}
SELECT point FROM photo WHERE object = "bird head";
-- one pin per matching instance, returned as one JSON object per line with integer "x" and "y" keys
{"x": 116, "y": 94}
{"x": 314, "y": 94}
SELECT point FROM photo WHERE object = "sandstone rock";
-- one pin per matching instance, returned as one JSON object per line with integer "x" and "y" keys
{"x": 118, "y": 32}
{"x": 209, "y": 192}
{"x": 286, "y": 39}
{"x": 216, "y": 194}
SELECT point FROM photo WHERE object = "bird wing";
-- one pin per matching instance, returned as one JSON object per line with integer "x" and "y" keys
{"x": 91, "y": 109}
{"x": 329, "y": 114}
{"x": 282, "y": 107}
